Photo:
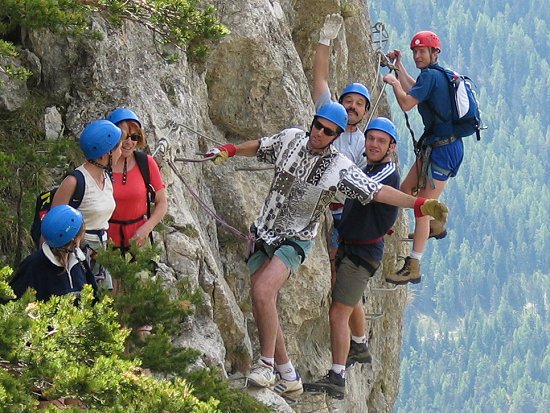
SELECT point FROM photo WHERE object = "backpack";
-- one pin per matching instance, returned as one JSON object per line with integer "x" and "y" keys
{"x": 464, "y": 105}
{"x": 44, "y": 203}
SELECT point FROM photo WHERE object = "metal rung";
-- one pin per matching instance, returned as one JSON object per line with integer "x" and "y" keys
{"x": 385, "y": 289}
{"x": 373, "y": 316}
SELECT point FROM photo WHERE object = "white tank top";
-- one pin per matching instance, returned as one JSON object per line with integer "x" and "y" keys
{"x": 97, "y": 204}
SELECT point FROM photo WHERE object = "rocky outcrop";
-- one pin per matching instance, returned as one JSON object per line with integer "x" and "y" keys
{"x": 256, "y": 82}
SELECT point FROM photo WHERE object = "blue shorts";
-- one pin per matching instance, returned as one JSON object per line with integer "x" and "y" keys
{"x": 287, "y": 253}
{"x": 335, "y": 236}
{"x": 445, "y": 160}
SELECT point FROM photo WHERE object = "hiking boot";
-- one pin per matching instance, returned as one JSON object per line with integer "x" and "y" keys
{"x": 261, "y": 375}
{"x": 289, "y": 387}
{"x": 332, "y": 384}
{"x": 437, "y": 230}
{"x": 409, "y": 273}
{"x": 358, "y": 353}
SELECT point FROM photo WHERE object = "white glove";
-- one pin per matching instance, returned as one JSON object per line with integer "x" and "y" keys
{"x": 333, "y": 23}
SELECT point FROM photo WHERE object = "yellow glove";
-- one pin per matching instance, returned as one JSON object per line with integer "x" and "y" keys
{"x": 220, "y": 154}
{"x": 432, "y": 207}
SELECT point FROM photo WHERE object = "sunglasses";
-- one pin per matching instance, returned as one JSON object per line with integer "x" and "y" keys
{"x": 319, "y": 126}
{"x": 134, "y": 138}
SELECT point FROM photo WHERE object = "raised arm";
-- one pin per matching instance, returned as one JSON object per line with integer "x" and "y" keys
{"x": 405, "y": 79}
{"x": 329, "y": 32}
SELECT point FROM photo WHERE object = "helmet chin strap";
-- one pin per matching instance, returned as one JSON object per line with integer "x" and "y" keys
{"x": 107, "y": 168}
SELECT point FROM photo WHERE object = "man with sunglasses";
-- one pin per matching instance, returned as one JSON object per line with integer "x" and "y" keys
{"x": 355, "y": 98}
{"x": 308, "y": 174}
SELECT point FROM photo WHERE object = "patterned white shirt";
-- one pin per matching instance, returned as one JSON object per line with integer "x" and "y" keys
{"x": 304, "y": 184}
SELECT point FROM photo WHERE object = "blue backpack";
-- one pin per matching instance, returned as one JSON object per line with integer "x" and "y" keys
{"x": 466, "y": 117}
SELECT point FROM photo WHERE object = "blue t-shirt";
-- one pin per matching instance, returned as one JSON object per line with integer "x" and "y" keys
{"x": 432, "y": 92}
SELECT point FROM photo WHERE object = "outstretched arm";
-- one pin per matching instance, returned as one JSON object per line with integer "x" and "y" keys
{"x": 220, "y": 154}
{"x": 331, "y": 27}
{"x": 422, "y": 206}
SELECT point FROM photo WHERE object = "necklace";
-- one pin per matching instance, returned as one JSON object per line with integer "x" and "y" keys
{"x": 125, "y": 171}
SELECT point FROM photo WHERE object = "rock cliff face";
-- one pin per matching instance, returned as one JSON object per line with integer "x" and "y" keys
{"x": 256, "y": 82}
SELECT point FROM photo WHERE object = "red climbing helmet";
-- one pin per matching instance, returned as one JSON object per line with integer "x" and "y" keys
{"x": 426, "y": 38}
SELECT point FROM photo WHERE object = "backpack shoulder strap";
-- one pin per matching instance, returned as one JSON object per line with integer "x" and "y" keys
{"x": 143, "y": 165}
{"x": 78, "y": 194}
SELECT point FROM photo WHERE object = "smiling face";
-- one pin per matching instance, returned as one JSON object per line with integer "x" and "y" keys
{"x": 378, "y": 146}
{"x": 132, "y": 137}
{"x": 323, "y": 132}
{"x": 356, "y": 107}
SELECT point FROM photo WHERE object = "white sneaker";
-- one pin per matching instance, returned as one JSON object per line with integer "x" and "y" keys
{"x": 261, "y": 375}
{"x": 289, "y": 387}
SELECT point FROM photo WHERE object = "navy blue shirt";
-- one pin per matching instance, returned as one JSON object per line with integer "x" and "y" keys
{"x": 363, "y": 227}
{"x": 47, "y": 279}
{"x": 432, "y": 92}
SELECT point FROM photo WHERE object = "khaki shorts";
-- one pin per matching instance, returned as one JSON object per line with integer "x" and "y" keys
{"x": 351, "y": 280}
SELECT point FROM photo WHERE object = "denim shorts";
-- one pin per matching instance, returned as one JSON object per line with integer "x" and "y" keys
{"x": 447, "y": 160}
{"x": 335, "y": 235}
{"x": 287, "y": 253}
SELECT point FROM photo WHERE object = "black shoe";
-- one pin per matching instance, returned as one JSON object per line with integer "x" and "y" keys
{"x": 332, "y": 384}
{"x": 358, "y": 353}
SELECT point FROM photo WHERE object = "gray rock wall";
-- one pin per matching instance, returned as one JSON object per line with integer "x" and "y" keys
{"x": 256, "y": 82}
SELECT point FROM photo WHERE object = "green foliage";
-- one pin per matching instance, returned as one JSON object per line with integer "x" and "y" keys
{"x": 181, "y": 23}
{"x": 25, "y": 156}
{"x": 486, "y": 348}
{"x": 73, "y": 347}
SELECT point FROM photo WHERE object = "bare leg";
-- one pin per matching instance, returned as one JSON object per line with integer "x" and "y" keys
{"x": 339, "y": 315}
{"x": 422, "y": 225}
{"x": 357, "y": 321}
{"x": 264, "y": 289}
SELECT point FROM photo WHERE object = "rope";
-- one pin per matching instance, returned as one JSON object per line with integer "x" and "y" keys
{"x": 247, "y": 237}
{"x": 173, "y": 126}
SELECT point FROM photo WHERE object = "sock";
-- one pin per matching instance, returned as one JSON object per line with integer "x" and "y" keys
{"x": 287, "y": 371}
{"x": 268, "y": 360}
{"x": 339, "y": 369}
{"x": 416, "y": 255}
{"x": 359, "y": 340}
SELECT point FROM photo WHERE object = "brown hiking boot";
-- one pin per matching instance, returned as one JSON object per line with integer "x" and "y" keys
{"x": 437, "y": 230}
{"x": 409, "y": 273}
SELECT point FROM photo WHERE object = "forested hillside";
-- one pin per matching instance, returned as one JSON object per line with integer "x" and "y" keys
{"x": 478, "y": 329}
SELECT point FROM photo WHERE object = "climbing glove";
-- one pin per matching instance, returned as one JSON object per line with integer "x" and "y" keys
{"x": 219, "y": 154}
{"x": 432, "y": 207}
{"x": 331, "y": 27}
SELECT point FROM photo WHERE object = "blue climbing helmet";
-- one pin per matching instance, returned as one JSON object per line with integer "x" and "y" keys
{"x": 383, "y": 124}
{"x": 98, "y": 138}
{"x": 61, "y": 225}
{"x": 358, "y": 88}
{"x": 122, "y": 114}
{"x": 335, "y": 113}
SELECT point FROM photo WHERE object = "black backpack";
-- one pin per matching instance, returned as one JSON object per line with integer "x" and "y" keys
{"x": 143, "y": 165}
{"x": 44, "y": 203}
